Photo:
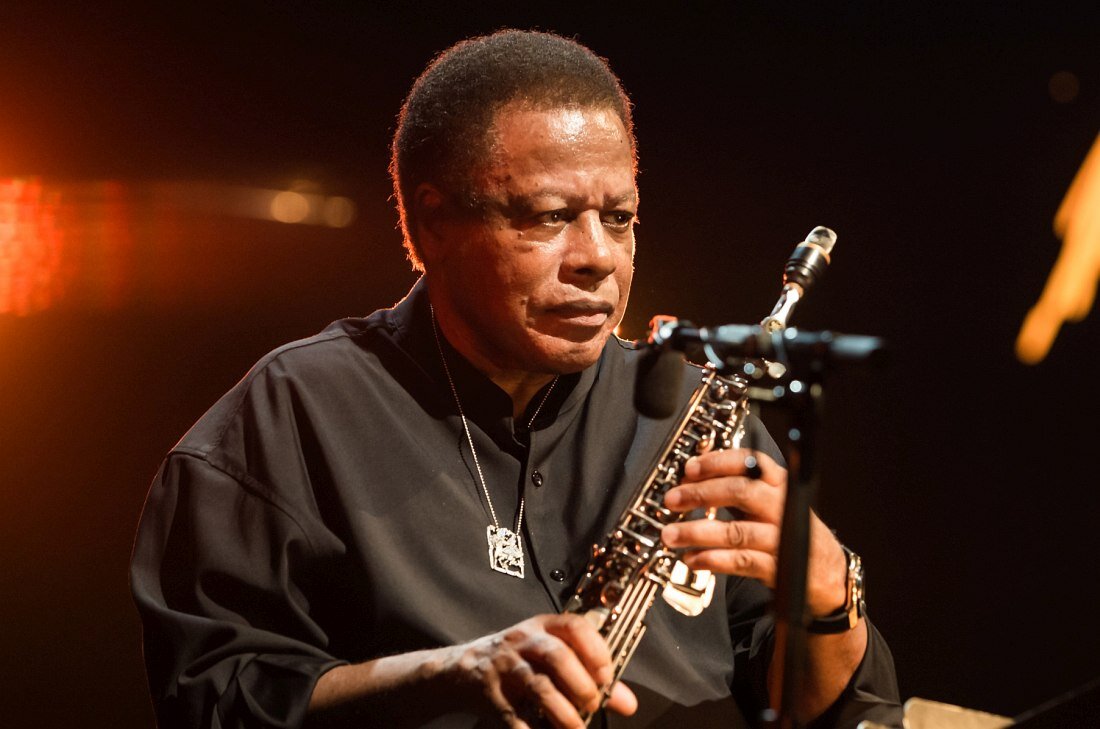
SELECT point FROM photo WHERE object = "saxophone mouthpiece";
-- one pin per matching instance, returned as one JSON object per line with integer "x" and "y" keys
{"x": 805, "y": 266}
{"x": 810, "y": 258}
{"x": 822, "y": 236}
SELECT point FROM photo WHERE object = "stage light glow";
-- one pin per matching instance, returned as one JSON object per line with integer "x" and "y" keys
{"x": 30, "y": 247}
{"x": 290, "y": 207}
{"x": 1071, "y": 287}
{"x": 107, "y": 244}
{"x": 339, "y": 212}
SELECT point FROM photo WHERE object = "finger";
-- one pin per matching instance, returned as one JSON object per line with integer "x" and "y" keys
{"x": 735, "y": 462}
{"x": 494, "y": 692}
{"x": 622, "y": 700}
{"x": 753, "y": 497}
{"x": 554, "y": 659}
{"x": 725, "y": 534}
{"x": 743, "y": 562}
{"x": 539, "y": 697}
{"x": 585, "y": 642}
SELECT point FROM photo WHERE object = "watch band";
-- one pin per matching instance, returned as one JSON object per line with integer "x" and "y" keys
{"x": 855, "y": 606}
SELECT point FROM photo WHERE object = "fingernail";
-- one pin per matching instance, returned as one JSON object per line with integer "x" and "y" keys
{"x": 691, "y": 468}
{"x": 670, "y": 534}
{"x": 673, "y": 499}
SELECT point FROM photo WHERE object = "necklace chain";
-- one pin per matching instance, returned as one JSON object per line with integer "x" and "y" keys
{"x": 495, "y": 529}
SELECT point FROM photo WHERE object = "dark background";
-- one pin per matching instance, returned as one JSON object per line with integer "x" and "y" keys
{"x": 927, "y": 139}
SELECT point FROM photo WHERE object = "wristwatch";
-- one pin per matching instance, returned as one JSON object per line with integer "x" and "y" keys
{"x": 855, "y": 607}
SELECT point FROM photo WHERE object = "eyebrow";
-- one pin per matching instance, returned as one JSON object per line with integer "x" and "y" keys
{"x": 613, "y": 200}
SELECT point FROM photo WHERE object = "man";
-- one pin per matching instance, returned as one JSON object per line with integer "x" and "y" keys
{"x": 382, "y": 523}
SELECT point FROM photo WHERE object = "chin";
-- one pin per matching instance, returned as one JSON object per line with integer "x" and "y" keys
{"x": 569, "y": 357}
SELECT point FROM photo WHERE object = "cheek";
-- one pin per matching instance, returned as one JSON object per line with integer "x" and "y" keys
{"x": 534, "y": 269}
{"x": 624, "y": 284}
{"x": 624, "y": 272}
{"x": 511, "y": 286}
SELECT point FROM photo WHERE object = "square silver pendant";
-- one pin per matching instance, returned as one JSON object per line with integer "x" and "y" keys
{"x": 505, "y": 551}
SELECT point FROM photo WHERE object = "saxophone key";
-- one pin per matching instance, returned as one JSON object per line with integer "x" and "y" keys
{"x": 659, "y": 509}
{"x": 640, "y": 538}
{"x": 689, "y": 591}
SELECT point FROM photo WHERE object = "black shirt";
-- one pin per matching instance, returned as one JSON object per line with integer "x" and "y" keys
{"x": 327, "y": 510}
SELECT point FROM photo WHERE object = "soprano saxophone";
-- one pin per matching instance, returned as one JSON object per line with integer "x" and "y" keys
{"x": 633, "y": 565}
{"x": 627, "y": 572}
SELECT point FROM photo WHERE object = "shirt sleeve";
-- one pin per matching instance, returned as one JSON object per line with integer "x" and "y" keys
{"x": 872, "y": 694}
{"x": 217, "y": 575}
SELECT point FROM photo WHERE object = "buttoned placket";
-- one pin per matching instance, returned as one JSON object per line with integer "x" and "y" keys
{"x": 545, "y": 514}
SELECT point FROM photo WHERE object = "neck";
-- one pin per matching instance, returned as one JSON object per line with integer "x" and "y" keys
{"x": 521, "y": 386}
{"x": 521, "y": 390}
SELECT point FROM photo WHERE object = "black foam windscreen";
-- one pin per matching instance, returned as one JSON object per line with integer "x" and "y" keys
{"x": 657, "y": 389}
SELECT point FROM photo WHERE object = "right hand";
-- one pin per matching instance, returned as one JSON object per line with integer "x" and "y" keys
{"x": 551, "y": 667}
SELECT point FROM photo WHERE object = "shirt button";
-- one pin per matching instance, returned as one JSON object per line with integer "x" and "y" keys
{"x": 557, "y": 575}
{"x": 536, "y": 478}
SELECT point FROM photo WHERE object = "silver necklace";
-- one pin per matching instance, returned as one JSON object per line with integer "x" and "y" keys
{"x": 505, "y": 545}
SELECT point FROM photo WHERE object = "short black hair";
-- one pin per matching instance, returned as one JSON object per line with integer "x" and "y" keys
{"x": 442, "y": 130}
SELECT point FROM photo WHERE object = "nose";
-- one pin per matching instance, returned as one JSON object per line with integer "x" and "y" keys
{"x": 590, "y": 254}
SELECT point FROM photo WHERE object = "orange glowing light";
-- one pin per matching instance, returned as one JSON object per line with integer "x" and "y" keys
{"x": 108, "y": 244}
{"x": 339, "y": 212}
{"x": 30, "y": 247}
{"x": 1071, "y": 287}
{"x": 290, "y": 207}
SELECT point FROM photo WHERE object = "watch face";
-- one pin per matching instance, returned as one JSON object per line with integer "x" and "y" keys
{"x": 855, "y": 574}
{"x": 856, "y": 603}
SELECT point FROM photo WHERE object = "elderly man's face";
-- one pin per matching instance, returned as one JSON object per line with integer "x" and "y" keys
{"x": 541, "y": 281}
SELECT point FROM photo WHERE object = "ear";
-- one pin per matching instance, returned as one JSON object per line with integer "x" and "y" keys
{"x": 431, "y": 234}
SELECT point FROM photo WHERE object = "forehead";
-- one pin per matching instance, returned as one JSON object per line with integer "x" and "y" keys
{"x": 531, "y": 148}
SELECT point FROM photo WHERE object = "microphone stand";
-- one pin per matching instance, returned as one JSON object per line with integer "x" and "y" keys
{"x": 804, "y": 401}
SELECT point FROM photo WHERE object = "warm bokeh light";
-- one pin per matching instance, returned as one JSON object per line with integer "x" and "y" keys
{"x": 31, "y": 275}
{"x": 339, "y": 212}
{"x": 290, "y": 207}
{"x": 1071, "y": 287}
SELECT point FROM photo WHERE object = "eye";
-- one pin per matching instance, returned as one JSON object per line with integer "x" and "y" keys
{"x": 620, "y": 220}
{"x": 552, "y": 217}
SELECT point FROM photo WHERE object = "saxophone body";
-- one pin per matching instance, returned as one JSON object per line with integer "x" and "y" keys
{"x": 630, "y": 568}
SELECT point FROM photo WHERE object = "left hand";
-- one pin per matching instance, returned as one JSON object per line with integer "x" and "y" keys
{"x": 749, "y": 546}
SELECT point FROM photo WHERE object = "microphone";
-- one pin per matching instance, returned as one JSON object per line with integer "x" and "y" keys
{"x": 657, "y": 389}
{"x": 660, "y": 371}
{"x": 804, "y": 268}
{"x": 792, "y": 347}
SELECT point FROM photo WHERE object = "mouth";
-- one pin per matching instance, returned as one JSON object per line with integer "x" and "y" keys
{"x": 584, "y": 313}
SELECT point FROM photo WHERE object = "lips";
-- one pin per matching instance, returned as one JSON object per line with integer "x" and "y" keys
{"x": 583, "y": 312}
